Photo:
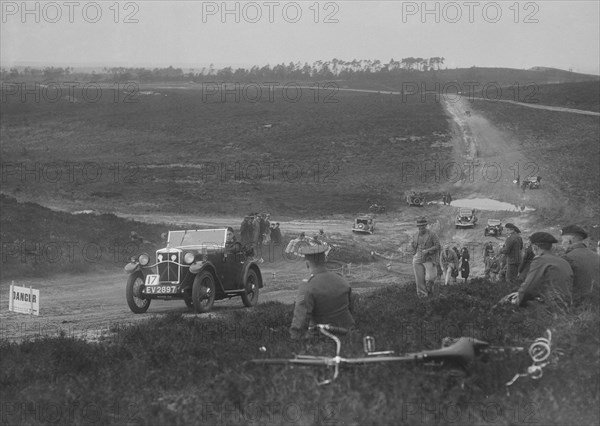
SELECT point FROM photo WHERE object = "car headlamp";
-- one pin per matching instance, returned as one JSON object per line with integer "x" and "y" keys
{"x": 144, "y": 259}
{"x": 189, "y": 257}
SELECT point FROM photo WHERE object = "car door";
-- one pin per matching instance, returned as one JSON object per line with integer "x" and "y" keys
{"x": 231, "y": 265}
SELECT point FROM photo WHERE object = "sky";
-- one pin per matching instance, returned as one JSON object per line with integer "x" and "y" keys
{"x": 193, "y": 34}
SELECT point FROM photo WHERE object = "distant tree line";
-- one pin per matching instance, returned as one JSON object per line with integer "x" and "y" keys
{"x": 319, "y": 70}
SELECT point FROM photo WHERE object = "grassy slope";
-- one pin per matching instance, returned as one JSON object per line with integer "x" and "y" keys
{"x": 584, "y": 95}
{"x": 206, "y": 381}
{"x": 37, "y": 241}
{"x": 348, "y": 151}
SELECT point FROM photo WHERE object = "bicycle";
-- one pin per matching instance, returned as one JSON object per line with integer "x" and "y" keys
{"x": 458, "y": 351}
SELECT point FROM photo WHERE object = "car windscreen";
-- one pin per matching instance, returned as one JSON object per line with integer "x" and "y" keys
{"x": 213, "y": 238}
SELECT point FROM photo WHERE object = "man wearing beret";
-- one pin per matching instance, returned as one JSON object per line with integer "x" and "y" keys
{"x": 324, "y": 299}
{"x": 550, "y": 277}
{"x": 584, "y": 262}
{"x": 512, "y": 249}
{"x": 425, "y": 247}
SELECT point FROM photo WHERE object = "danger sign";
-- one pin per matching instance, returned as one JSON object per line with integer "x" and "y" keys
{"x": 24, "y": 300}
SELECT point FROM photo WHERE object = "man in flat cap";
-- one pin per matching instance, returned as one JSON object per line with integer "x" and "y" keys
{"x": 512, "y": 249}
{"x": 584, "y": 262}
{"x": 550, "y": 277}
{"x": 324, "y": 299}
{"x": 426, "y": 248}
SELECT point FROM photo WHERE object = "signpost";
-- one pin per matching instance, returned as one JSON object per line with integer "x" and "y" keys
{"x": 24, "y": 300}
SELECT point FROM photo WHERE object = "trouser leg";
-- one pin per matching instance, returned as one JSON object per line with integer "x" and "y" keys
{"x": 430, "y": 275}
{"x": 512, "y": 270}
{"x": 419, "y": 270}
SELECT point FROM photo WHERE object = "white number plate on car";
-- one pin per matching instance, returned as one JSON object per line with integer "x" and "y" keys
{"x": 152, "y": 279}
{"x": 161, "y": 289}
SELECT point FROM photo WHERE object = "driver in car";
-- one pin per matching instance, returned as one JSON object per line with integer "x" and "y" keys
{"x": 231, "y": 244}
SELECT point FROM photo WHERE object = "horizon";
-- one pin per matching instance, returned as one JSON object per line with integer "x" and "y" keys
{"x": 198, "y": 68}
{"x": 185, "y": 34}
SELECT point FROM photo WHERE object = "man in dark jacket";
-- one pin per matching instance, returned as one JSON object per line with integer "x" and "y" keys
{"x": 584, "y": 262}
{"x": 324, "y": 299}
{"x": 512, "y": 249}
{"x": 550, "y": 278}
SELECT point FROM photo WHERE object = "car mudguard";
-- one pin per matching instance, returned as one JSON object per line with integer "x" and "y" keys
{"x": 197, "y": 267}
{"x": 132, "y": 267}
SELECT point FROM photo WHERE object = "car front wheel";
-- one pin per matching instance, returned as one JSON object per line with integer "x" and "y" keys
{"x": 203, "y": 292}
{"x": 138, "y": 303}
{"x": 250, "y": 297}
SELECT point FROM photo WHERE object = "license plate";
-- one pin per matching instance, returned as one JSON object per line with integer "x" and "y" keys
{"x": 161, "y": 289}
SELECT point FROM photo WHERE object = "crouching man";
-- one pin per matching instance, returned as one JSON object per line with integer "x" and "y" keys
{"x": 324, "y": 299}
{"x": 550, "y": 278}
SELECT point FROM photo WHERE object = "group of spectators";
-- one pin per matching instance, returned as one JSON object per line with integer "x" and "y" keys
{"x": 257, "y": 229}
{"x": 542, "y": 275}
{"x": 454, "y": 263}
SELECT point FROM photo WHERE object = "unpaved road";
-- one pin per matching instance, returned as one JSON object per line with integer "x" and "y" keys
{"x": 91, "y": 305}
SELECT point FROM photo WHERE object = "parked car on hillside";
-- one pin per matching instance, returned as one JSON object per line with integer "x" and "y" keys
{"x": 533, "y": 182}
{"x": 364, "y": 224}
{"x": 415, "y": 199}
{"x": 196, "y": 266}
{"x": 465, "y": 218}
{"x": 494, "y": 228}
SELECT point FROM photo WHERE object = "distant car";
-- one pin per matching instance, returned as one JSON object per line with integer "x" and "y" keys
{"x": 197, "y": 267}
{"x": 364, "y": 224}
{"x": 494, "y": 228}
{"x": 533, "y": 182}
{"x": 377, "y": 208}
{"x": 415, "y": 199}
{"x": 465, "y": 218}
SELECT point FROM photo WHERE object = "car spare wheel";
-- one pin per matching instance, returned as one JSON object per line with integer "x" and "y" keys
{"x": 203, "y": 292}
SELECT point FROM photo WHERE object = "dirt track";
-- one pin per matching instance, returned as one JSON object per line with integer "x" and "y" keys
{"x": 90, "y": 305}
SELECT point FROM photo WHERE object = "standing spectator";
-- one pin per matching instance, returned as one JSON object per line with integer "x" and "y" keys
{"x": 584, "y": 262}
{"x": 493, "y": 268}
{"x": 512, "y": 249}
{"x": 449, "y": 263}
{"x": 265, "y": 231}
{"x": 524, "y": 186}
{"x": 246, "y": 230}
{"x": 502, "y": 272}
{"x": 425, "y": 247}
{"x": 276, "y": 234}
{"x": 464, "y": 264}
{"x": 488, "y": 254}
{"x": 525, "y": 263}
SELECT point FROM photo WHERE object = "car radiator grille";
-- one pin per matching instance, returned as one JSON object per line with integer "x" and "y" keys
{"x": 168, "y": 270}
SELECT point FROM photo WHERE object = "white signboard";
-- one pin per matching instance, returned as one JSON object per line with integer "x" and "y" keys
{"x": 24, "y": 300}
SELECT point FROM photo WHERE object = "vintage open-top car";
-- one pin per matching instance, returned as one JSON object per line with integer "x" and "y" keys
{"x": 414, "y": 198}
{"x": 465, "y": 218}
{"x": 494, "y": 228}
{"x": 532, "y": 182}
{"x": 364, "y": 224}
{"x": 197, "y": 266}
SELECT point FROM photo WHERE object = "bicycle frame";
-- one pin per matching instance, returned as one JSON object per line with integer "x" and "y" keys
{"x": 461, "y": 352}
